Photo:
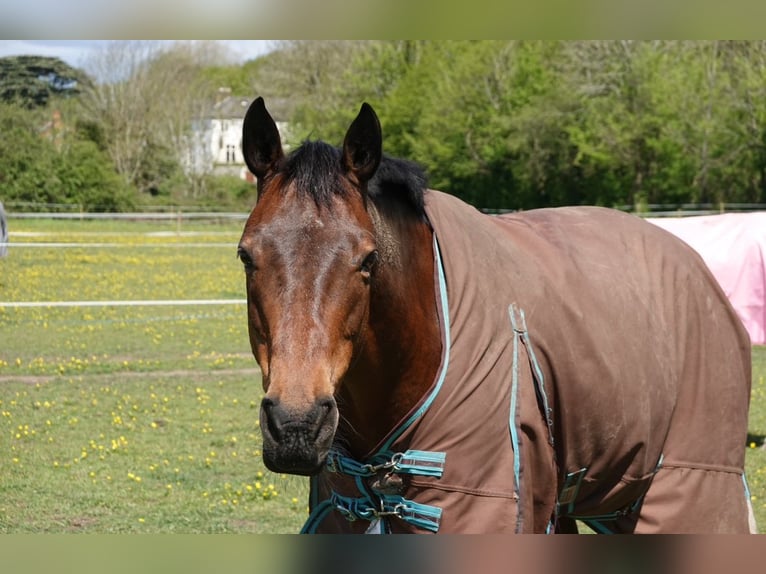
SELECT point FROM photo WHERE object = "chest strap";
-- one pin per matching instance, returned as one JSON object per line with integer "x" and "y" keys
{"x": 419, "y": 462}
{"x": 376, "y": 505}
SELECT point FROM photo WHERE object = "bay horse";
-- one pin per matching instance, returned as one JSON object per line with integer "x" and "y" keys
{"x": 436, "y": 369}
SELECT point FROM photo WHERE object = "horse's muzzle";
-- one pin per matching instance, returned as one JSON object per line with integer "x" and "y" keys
{"x": 297, "y": 442}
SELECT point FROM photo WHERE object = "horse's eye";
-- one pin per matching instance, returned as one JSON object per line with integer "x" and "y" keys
{"x": 368, "y": 263}
{"x": 246, "y": 260}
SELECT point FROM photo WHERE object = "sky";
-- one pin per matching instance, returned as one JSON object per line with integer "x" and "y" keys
{"x": 76, "y": 52}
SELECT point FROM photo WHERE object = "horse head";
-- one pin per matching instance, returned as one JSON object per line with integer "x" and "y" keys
{"x": 309, "y": 252}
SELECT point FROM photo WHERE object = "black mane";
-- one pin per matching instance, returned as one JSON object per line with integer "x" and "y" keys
{"x": 315, "y": 168}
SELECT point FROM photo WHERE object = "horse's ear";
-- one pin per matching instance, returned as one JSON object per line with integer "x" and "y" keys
{"x": 261, "y": 144}
{"x": 363, "y": 145}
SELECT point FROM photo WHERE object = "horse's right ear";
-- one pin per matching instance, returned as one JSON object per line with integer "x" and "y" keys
{"x": 261, "y": 144}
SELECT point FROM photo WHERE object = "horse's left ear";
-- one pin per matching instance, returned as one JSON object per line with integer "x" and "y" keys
{"x": 363, "y": 145}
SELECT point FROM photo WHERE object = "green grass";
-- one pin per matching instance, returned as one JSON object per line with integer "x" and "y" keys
{"x": 132, "y": 419}
{"x": 155, "y": 453}
{"x": 755, "y": 457}
{"x": 144, "y": 419}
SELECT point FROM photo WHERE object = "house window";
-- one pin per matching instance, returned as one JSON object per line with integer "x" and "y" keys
{"x": 231, "y": 155}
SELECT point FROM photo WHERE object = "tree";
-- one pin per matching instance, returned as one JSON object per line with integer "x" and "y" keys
{"x": 144, "y": 104}
{"x": 501, "y": 124}
{"x": 629, "y": 132}
{"x": 743, "y": 157}
{"x": 85, "y": 178}
{"x": 185, "y": 95}
{"x": 321, "y": 82}
{"x": 26, "y": 165}
{"x": 33, "y": 81}
{"x": 41, "y": 166}
{"x": 240, "y": 78}
{"x": 670, "y": 122}
{"x": 487, "y": 119}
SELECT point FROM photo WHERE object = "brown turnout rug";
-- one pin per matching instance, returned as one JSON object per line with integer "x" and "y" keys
{"x": 592, "y": 369}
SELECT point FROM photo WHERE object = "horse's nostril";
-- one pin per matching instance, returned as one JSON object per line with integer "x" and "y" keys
{"x": 325, "y": 406}
{"x": 324, "y": 409}
{"x": 273, "y": 417}
{"x": 267, "y": 404}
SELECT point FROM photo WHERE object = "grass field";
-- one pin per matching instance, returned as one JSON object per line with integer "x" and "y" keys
{"x": 144, "y": 418}
{"x": 132, "y": 419}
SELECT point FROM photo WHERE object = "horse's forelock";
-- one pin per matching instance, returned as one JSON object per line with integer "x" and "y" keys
{"x": 315, "y": 170}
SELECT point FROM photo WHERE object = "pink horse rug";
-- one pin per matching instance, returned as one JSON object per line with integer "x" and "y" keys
{"x": 733, "y": 245}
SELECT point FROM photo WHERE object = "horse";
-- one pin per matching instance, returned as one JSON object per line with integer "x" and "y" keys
{"x": 435, "y": 369}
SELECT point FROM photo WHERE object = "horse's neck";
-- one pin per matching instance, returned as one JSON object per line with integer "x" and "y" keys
{"x": 401, "y": 352}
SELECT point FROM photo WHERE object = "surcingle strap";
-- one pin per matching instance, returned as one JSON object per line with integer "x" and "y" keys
{"x": 597, "y": 523}
{"x": 569, "y": 491}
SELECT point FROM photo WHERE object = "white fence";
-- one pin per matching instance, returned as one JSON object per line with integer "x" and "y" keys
{"x": 134, "y": 215}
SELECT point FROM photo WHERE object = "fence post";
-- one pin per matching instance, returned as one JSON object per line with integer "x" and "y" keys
{"x": 3, "y": 232}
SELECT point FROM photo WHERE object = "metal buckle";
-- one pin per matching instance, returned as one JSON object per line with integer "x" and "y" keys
{"x": 346, "y": 513}
{"x": 395, "y": 511}
{"x": 396, "y": 458}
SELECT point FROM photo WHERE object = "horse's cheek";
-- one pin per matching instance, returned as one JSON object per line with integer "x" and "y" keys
{"x": 357, "y": 314}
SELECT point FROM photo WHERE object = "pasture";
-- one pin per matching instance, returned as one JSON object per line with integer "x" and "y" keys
{"x": 131, "y": 418}
{"x": 144, "y": 418}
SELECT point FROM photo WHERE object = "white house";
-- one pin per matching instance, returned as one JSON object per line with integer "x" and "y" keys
{"x": 216, "y": 138}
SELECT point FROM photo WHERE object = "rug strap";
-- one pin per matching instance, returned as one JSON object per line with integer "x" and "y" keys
{"x": 519, "y": 325}
{"x": 417, "y": 462}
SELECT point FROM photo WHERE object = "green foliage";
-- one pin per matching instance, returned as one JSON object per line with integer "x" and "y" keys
{"x": 158, "y": 166}
{"x": 25, "y": 157}
{"x": 527, "y": 124}
{"x": 485, "y": 118}
{"x": 226, "y": 191}
{"x": 42, "y": 161}
{"x": 501, "y": 124}
{"x": 32, "y": 81}
{"x": 237, "y": 78}
{"x": 87, "y": 179}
